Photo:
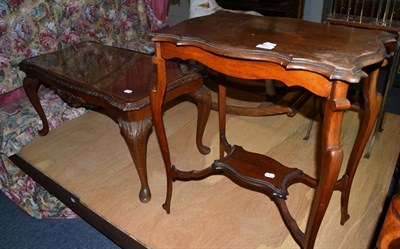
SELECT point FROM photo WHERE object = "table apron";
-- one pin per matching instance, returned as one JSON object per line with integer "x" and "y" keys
{"x": 250, "y": 69}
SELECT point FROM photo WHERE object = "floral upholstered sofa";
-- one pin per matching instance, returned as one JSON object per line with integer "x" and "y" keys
{"x": 32, "y": 27}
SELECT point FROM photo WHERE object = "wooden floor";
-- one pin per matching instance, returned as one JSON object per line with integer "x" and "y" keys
{"x": 89, "y": 157}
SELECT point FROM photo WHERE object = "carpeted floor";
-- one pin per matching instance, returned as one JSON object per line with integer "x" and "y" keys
{"x": 21, "y": 231}
{"x": 393, "y": 104}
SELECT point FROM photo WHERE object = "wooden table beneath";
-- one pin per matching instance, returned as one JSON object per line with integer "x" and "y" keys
{"x": 321, "y": 58}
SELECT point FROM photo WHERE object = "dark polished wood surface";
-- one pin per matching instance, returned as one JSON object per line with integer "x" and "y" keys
{"x": 334, "y": 51}
{"x": 323, "y": 59}
{"x": 118, "y": 81}
{"x": 112, "y": 71}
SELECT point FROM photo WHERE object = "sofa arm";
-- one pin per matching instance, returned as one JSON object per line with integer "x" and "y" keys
{"x": 19, "y": 122}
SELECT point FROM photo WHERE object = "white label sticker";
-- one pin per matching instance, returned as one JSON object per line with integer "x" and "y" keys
{"x": 269, "y": 175}
{"x": 266, "y": 45}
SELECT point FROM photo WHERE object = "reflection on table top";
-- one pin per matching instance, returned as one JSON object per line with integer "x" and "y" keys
{"x": 105, "y": 69}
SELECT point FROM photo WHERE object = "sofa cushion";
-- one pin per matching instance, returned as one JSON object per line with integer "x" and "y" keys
{"x": 19, "y": 122}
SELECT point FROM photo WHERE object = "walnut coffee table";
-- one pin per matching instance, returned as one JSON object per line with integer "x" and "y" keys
{"x": 117, "y": 81}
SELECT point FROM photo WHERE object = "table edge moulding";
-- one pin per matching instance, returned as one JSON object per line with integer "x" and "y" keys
{"x": 322, "y": 58}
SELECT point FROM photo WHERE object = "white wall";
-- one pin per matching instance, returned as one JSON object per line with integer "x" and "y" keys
{"x": 313, "y": 10}
{"x": 178, "y": 11}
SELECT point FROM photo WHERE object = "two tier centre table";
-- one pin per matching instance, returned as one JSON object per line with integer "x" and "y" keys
{"x": 324, "y": 59}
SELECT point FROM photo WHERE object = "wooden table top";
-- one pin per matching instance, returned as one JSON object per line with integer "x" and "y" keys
{"x": 337, "y": 52}
{"x": 114, "y": 74}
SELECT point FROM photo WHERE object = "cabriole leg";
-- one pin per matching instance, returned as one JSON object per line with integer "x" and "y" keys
{"x": 202, "y": 98}
{"x": 31, "y": 87}
{"x": 372, "y": 105}
{"x": 331, "y": 159}
{"x": 136, "y": 134}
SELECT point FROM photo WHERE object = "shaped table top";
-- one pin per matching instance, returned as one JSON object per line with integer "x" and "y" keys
{"x": 337, "y": 52}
